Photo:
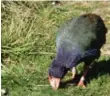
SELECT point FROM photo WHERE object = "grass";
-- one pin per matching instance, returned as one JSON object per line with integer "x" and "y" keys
{"x": 28, "y": 47}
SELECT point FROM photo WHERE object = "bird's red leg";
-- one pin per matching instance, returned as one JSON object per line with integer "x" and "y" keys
{"x": 81, "y": 82}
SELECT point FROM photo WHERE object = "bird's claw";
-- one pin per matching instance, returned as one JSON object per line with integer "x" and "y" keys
{"x": 81, "y": 84}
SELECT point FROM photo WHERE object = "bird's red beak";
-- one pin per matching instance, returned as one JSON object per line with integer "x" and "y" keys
{"x": 54, "y": 82}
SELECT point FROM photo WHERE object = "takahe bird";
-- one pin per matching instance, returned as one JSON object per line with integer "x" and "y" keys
{"x": 78, "y": 40}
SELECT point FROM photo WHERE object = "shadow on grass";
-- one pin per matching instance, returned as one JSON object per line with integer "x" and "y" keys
{"x": 100, "y": 68}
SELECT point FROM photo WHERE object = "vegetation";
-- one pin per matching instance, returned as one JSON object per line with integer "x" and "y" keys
{"x": 28, "y": 47}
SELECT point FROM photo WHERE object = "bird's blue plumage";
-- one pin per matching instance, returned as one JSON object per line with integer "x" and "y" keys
{"x": 79, "y": 39}
{"x": 66, "y": 60}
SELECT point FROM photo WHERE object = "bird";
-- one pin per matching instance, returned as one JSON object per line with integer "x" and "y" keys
{"x": 78, "y": 40}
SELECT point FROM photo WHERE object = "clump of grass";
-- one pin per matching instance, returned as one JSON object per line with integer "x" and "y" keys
{"x": 30, "y": 22}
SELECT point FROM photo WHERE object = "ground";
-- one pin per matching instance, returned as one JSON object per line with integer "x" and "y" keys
{"x": 28, "y": 47}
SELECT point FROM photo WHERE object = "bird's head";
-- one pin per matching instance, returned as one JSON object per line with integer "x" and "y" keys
{"x": 56, "y": 72}
{"x": 54, "y": 82}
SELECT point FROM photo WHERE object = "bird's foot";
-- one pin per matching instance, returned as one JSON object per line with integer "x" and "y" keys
{"x": 81, "y": 84}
